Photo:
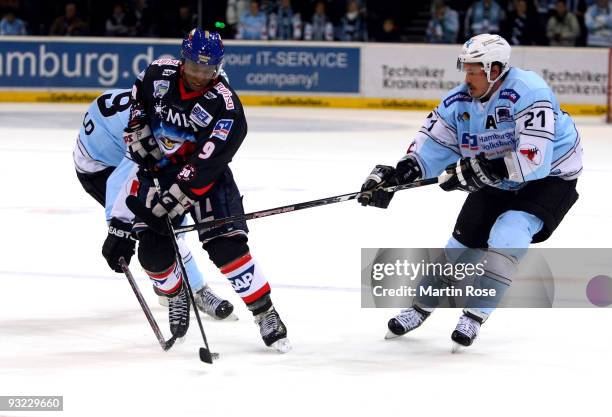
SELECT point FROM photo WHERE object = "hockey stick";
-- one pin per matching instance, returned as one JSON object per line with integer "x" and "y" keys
{"x": 165, "y": 344}
{"x": 213, "y": 224}
{"x": 205, "y": 353}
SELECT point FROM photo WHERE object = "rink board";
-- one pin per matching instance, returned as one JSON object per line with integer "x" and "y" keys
{"x": 289, "y": 74}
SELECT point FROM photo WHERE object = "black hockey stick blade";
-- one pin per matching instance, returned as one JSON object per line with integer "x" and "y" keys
{"x": 205, "y": 355}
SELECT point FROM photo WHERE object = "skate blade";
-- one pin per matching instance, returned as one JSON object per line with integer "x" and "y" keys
{"x": 231, "y": 317}
{"x": 282, "y": 345}
{"x": 390, "y": 335}
{"x": 457, "y": 348}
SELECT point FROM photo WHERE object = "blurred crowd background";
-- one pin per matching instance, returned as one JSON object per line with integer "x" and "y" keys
{"x": 521, "y": 22}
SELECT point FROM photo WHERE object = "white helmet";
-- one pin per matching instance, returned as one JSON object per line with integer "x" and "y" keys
{"x": 486, "y": 49}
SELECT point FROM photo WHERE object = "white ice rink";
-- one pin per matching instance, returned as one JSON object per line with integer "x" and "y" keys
{"x": 69, "y": 326}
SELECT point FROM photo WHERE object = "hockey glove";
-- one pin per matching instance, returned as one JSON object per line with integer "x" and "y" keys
{"x": 472, "y": 174}
{"x": 173, "y": 203}
{"x": 408, "y": 170}
{"x": 142, "y": 145}
{"x": 372, "y": 193}
{"x": 118, "y": 243}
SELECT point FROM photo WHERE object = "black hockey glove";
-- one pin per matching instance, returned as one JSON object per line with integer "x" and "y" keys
{"x": 408, "y": 170}
{"x": 472, "y": 174}
{"x": 142, "y": 145}
{"x": 118, "y": 243}
{"x": 173, "y": 203}
{"x": 372, "y": 193}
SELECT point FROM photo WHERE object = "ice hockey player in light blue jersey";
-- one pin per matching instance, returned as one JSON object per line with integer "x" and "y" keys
{"x": 502, "y": 137}
{"x": 108, "y": 175}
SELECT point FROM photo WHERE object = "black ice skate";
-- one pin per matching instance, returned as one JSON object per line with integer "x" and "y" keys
{"x": 208, "y": 302}
{"x": 178, "y": 313}
{"x": 273, "y": 330}
{"x": 466, "y": 331}
{"x": 406, "y": 321}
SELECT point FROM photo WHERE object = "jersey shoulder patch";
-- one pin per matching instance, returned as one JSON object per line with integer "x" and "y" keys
{"x": 166, "y": 61}
{"x": 509, "y": 94}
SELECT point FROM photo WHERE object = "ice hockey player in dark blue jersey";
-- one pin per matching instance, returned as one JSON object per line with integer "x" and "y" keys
{"x": 502, "y": 137}
{"x": 108, "y": 175}
{"x": 185, "y": 126}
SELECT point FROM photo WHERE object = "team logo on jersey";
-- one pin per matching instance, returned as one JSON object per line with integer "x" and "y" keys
{"x": 503, "y": 114}
{"x": 168, "y": 72}
{"x": 460, "y": 96}
{"x": 200, "y": 116}
{"x": 463, "y": 117}
{"x": 222, "y": 129}
{"x": 227, "y": 95}
{"x": 166, "y": 143}
{"x": 160, "y": 88}
{"x": 531, "y": 152}
{"x": 242, "y": 282}
{"x": 509, "y": 94}
{"x": 187, "y": 173}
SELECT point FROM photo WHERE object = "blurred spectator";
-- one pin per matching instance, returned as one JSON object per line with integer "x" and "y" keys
{"x": 444, "y": 24}
{"x": 484, "y": 16}
{"x": 187, "y": 20}
{"x": 352, "y": 24}
{"x": 598, "y": 20}
{"x": 70, "y": 24}
{"x": 252, "y": 24}
{"x": 320, "y": 27}
{"x": 521, "y": 27}
{"x": 284, "y": 23}
{"x": 10, "y": 25}
{"x": 235, "y": 9}
{"x": 119, "y": 23}
{"x": 389, "y": 32}
{"x": 562, "y": 28}
{"x": 143, "y": 19}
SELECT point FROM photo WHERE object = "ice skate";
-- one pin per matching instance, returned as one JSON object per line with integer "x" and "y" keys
{"x": 214, "y": 306}
{"x": 209, "y": 303}
{"x": 466, "y": 331}
{"x": 273, "y": 330}
{"x": 178, "y": 313}
{"x": 406, "y": 321}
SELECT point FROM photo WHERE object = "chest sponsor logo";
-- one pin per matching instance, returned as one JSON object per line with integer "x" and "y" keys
{"x": 509, "y": 94}
{"x": 531, "y": 153}
{"x": 222, "y": 129}
{"x": 160, "y": 88}
{"x": 457, "y": 97}
{"x": 503, "y": 114}
{"x": 227, "y": 96}
{"x": 168, "y": 72}
{"x": 492, "y": 144}
{"x": 200, "y": 116}
{"x": 179, "y": 119}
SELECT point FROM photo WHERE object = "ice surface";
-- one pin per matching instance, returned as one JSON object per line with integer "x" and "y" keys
{"x": 69, "y": 326}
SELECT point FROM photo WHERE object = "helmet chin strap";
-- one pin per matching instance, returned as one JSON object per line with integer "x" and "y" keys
{"x": 491, "y": 84}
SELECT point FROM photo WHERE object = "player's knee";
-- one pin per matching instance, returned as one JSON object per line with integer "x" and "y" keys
{"x": 514, "y": 230}
{"x": 155, "y": 251}
{"x": 223, "y": 250}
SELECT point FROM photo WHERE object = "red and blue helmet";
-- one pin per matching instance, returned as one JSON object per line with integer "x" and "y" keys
{"x": 203, "y": 47}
